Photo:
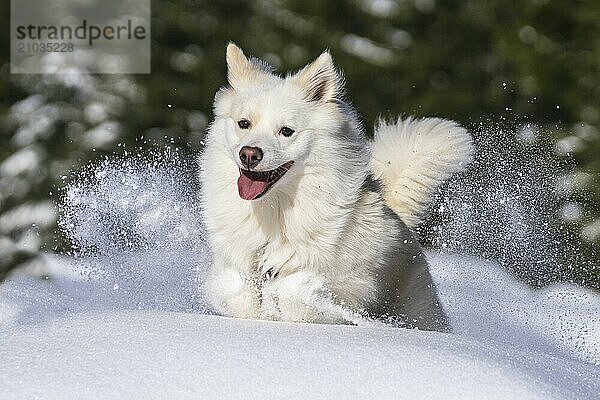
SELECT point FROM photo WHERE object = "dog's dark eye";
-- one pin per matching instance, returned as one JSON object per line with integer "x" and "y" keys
{"x": 285, "y": 131}
{"x": 244, "y": 124}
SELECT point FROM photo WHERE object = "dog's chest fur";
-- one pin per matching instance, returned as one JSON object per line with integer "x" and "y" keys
{"x": 291, "y": 237}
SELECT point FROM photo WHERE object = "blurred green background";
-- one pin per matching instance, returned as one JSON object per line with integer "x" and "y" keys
{"x": 533, "y": 62}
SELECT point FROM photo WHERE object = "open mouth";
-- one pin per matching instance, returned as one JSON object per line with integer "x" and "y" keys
{"x": 253, "y": 184}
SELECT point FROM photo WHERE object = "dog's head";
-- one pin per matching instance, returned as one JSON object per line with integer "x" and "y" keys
{"x": 270, "y": 122}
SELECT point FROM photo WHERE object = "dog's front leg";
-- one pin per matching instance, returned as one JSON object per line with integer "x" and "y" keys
{"x": 300, "y": 297}
{"x": 232, "y": 292}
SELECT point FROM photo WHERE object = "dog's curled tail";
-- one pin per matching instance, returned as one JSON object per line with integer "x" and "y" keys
{"x": 412, "y": 157}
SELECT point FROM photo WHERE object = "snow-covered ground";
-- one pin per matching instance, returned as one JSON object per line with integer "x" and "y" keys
{"x": 126, "y": 319}
{"x": 69, "y": 338}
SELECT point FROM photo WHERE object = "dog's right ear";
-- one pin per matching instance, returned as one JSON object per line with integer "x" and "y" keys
{"x": 240, "y": 69}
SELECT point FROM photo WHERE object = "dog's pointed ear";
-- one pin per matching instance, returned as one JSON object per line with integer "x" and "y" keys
{"x": 237, "y": 64}
{"x": 240, "y": 69}
{"x": 320, "y": 80}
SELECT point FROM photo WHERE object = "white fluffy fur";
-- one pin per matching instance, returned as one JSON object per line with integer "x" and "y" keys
{"x": 321, "y": 245}
{"x": 413, "y": 157}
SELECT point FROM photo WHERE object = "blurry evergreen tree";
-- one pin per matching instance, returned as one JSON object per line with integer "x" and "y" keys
{"x": 532, "y": 62}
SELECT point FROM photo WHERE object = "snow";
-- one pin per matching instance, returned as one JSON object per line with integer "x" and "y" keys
{"x": 67, "y": 337}
{"x": 125, "y": 318}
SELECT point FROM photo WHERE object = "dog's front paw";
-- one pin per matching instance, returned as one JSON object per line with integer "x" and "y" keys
{"x": 233, "y": 294}
{"x": 300, "y": 297}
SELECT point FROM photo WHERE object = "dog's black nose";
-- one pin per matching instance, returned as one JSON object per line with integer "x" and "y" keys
{"x": 250, "y": 156}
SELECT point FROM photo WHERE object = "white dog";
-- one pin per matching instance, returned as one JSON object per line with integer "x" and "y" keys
{"x": 307, "y": 220}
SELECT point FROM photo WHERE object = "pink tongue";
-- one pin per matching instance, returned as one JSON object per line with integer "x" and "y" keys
{"x": 250, "y": 189}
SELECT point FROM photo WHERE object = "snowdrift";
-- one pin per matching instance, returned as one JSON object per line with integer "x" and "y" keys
{"x": 68, "y": 338}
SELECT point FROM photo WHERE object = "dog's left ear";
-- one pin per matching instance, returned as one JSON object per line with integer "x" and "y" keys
{"x": 320, "y": 80}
